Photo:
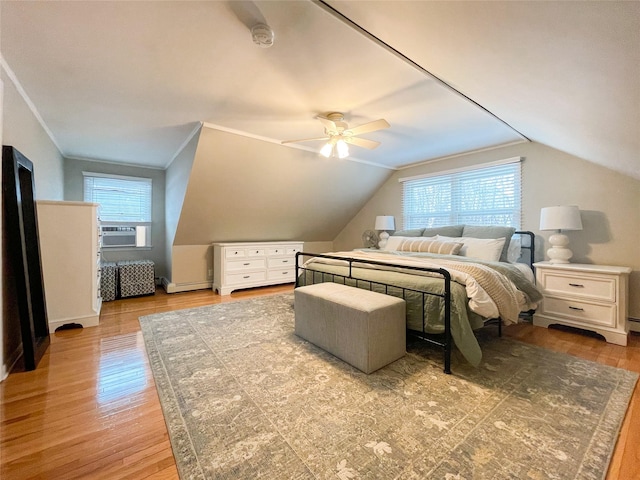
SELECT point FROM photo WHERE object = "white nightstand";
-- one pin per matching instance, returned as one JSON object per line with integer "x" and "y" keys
{"x": 591, "y": 297}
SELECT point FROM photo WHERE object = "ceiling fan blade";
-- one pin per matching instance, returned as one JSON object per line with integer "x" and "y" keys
{"x": 369, "y": 127}
{"x": 329, "y": 125}
{"x": 304, "y": 140}
{"x": 362, "y": 142}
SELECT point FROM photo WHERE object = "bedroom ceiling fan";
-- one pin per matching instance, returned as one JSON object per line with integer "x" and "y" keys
{"x": 339, "y": 136}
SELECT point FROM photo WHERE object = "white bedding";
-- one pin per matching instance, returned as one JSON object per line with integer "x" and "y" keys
{"x": 526, "y": 270}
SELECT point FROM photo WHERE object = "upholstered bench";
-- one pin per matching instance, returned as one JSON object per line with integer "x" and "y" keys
{"x": 365, "y": 329}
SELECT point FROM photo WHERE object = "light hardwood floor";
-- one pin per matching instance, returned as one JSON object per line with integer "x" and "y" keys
{"x": 91, "y": 410}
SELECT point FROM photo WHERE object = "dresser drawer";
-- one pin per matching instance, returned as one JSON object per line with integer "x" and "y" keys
{"x": 282, "y": 275}
{"x": 247, "y": 264}
{"x": 275, "y": 251}
{"x": 581, "y": 312}
{"x": 279, "y": 262}
{"x": 244, "y": 278}
{"x": 255, "y": 252}
{"x": 294, "y": 249}
{"x": 234, "y": 253}
{"x": 596, "y": 287}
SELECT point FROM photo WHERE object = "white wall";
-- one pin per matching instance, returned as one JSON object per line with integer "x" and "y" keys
{"x": 609, "y": 203}
{"x": 22, "y": 130}
{"x": 176, "y": 181}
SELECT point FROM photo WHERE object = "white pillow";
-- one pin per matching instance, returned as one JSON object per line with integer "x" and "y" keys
{"x": 394, "y": 242}
{"x": 487, "y": 249}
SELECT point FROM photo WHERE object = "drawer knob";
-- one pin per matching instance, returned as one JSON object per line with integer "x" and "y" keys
{"x": 285, "y": 261}
{"x": 576, "y": 308}
{"x": 577, "y": 285}
{"x": 247, "y": 276}
{"x": 285, "y": 273}
{"x": 246, "y": 264}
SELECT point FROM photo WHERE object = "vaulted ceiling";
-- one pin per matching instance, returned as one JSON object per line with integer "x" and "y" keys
{"x": 131, "y": 81}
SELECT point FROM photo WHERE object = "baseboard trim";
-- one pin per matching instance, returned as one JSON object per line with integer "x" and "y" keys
{"x": 11, "y": 362}
{"x": 86, "y": 321}
{"x": 184, "y": 287}
{"x": 634, "y": 324}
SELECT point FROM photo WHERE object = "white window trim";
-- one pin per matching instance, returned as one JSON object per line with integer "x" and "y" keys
{"x": 463, "y": 169}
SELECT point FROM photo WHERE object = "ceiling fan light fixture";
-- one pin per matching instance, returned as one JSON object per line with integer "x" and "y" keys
{"x": 326, "y": 150}
{"x": 339, "y": 135}
{"x": 342, "y": 148}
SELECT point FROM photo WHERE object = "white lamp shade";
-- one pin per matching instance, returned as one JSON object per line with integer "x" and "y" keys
{"x": 385, "y": 222}
{"x": 565, "y": 217}
{"x": 326, "y": 150}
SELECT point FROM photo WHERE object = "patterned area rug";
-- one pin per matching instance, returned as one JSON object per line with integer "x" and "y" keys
{"x": 244, "y": 398}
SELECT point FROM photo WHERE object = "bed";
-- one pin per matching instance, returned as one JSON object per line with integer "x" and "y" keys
{"x": 453, "y": 284}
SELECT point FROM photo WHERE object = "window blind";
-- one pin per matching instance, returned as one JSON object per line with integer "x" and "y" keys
{"x": 121, "y": 199}
{"x": 489, "y": 195}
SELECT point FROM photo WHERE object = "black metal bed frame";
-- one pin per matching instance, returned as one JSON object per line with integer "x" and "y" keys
{"x": 443, "y": 340}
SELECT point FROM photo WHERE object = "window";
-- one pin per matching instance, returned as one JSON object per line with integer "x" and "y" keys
{"x": 489, "y": 194}
{"x": 125, "y": 208}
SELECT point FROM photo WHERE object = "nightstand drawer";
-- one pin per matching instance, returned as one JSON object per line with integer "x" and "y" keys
{"x": 596, "y": 287}
{"x": 582, "y": 312}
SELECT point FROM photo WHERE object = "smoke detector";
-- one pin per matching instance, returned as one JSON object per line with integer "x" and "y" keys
{"x": 262, "y": 35}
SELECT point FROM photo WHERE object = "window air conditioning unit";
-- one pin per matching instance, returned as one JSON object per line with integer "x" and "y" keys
{"x": 120, "y": 236}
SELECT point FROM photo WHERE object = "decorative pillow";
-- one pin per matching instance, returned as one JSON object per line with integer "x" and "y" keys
{"x": 394, "y": 241}
{"x": 413, "y": 232}
{"x": 428, "y": 245}
{"x": 491, "y": 231}
{"x": 448, "y": 231}
{"x": 487, "y": 249}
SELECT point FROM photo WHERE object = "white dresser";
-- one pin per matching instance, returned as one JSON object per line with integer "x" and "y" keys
{"x": 246, "y": 265}
{"x": 591, "y": 297}
{"x": 70, "y": 250}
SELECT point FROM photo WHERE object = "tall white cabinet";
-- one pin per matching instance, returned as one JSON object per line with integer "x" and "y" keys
{"x": 70, "y": 250}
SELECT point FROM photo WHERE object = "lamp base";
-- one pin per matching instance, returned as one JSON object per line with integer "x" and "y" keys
{"x": 559, "y": 253}
{"x": 384, "y": 236}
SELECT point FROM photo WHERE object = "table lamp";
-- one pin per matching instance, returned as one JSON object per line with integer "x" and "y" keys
{"x": 560, "y": 218}
{"x": 384, "y": 223}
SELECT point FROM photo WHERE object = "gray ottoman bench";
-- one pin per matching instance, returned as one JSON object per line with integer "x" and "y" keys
{"x": 365, "y": 329}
